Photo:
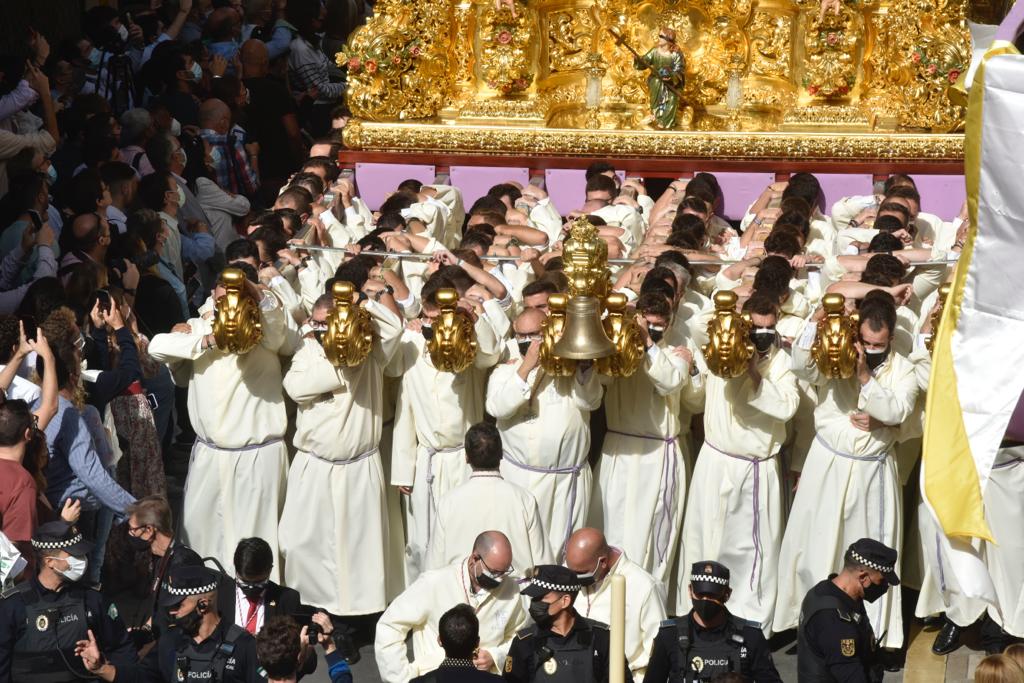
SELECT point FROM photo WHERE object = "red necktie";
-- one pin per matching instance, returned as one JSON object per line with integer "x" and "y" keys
{"x": 250, "y": 619}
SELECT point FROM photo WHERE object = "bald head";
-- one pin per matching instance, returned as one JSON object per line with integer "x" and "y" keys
{"x": 584, "y": 549}
{"x": 494, "y": 549}
{"x": 529, "y": 321}
{"x": 215, "y": 115}
{"x": 255, "y": 58}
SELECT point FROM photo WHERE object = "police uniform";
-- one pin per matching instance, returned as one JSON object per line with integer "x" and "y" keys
{"x": 178, "y": 554}
{"x": 39, "y": 628}
{"x": 835, "y": 638}
{"x": 539, "y": 655}
{"x": 684, "y": 651}
{"x": 228, "y": 655}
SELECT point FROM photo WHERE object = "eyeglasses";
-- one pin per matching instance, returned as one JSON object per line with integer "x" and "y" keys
{"x": 136, "y": 530}
{"x": 493, "y": 574}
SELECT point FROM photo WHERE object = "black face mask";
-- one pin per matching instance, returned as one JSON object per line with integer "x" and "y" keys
{"x": 875, "y": 359}
{"x": 875, "y": 591}
{"x": 524, "y": 346}
{"x": 539, "y": 613}
{"x": 252, "y": 591}
{"x": 657, "y": 333}
{"x": 427, "y": 331}
{"x": 188, "y": 623}
{"x": 138, "y": 544}
{"x": 708, "y": 610}
{"x": 763, "y": 340}
{"x": 318, "y": 334}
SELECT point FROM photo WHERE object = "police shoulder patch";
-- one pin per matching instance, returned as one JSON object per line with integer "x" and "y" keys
{"x": 508, "y": 665}
{"x": 848, "y": 646}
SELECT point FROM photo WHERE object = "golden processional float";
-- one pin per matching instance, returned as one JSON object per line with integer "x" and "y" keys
{"x": 764, "y": 79}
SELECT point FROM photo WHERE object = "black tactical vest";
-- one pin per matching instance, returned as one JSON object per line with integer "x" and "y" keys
{"x": 699, "y": 659}
{"x": 572, "y": 662}
{"x": 811, "y": 667}
{"x": 208, "y": 667}
{"x": 46, "y": 651}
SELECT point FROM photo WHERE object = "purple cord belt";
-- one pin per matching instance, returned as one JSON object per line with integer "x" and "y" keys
{"x": 361, "y": 456}
{"x": 756, "y": 505}
{"x": 573, "y": 484}
{"x": 669, "y": 483}
{"x": 431, "y": 452}
{"x": 878, "y": 458}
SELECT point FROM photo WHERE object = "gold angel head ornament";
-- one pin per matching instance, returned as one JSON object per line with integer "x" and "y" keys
{"x": 349, "y": 336}
{"x": 453, "y": 346}
{"x": 551, "y": 332}
{"x": 236, "y": 320}
{"x": 728, "y": 351}
{"x": 585, "y": 256}
{"x": 834, "y": 349}
{"x": 625, "y": 335}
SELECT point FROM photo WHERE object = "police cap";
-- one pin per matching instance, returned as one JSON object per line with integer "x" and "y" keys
{"x": 185, "y": 580}
{"x": 709, "y": 578}
{"x": 546, "y": 578}
{"x": 61, "y": 536}
{"x": 875, "y": 555}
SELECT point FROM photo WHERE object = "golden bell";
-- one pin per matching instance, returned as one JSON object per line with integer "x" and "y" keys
{"x": 551, "y": 333}
{"x": 349, "y": 337}
{"x": 236, "y": 319}
{"x": 834, "y": 349}
{"x": 583, "y": 337}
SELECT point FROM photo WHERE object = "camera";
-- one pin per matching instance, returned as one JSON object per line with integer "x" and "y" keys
{"x": 313, "y": 632}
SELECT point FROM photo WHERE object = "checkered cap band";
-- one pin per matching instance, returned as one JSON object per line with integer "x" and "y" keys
{"x": 57, "y": 545}
{"x": 187, "y": 591}
{"x": 869, "y": 564}
{"x": 708, "y": 578}
{"x": 557, "y": 587}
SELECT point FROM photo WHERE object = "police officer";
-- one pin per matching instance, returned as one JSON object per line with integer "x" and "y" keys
{"x": 835, "y": 639}
{"x": 561, "y": 646}
{"x": 709, "y": 641}
{"x": 199, "y": 645}
{"x": 54, "y": 629}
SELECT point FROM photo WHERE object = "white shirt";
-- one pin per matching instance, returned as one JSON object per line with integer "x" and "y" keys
{"x": 242, "y": 610}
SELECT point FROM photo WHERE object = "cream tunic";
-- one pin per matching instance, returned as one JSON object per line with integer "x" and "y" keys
{"x": 849, "y": 487}
{"x": 642, "y": 473}
{"x": 734, "y": 512}
{"x": 487, "y": 502}
{"x": 337, "y": 472}
{"x": 418, "y": 610}
{"x": 645, "y": 609}
{"x": 545, "y": 431}
{"x": 434, "y": 411}
{"x": 236, "y": 478}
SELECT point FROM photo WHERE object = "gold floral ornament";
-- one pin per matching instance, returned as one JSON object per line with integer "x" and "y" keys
{"x": 625, "y": 335}
{"x": 585, "y": 256}
{"x": 236, "y": 318}
{"x": 453, "y": 346}
{"x": 506, "y": 36}
{"x": 834, "y": 349}
{"x": 349, "y": 336}
{"x": 398, "y": 63}
{"x": 551, "y": 332}
{"x": 831, "y": 43}
{"x": 728, "y": 351}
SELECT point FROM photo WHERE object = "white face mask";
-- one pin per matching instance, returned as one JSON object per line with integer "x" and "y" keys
{"x": 175, "y": 128}
{"x": 197, "y": 71}
{"x": 181, "y": 196}
{"x": 122, "y": 32}
{"x": 76, "y": 568}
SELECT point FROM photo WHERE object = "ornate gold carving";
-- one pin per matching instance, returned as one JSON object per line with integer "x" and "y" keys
{"x": 453, "y": 346}
{"x": 398, "y": 63}
{"x": 832, "y": 43}
{"x": 625, "y": 335}
{"x": 728, "y": 350}
{"x": 551, "y": 332}
{"x": 349, "y": 336}
{"x": 237, "y": 326}
{"x": 770, "y": 36}
{"x": 586, "y": 260}
{"x": 833, "y": 349}
{"x": 505, "y": 42}
{"x": 617, "y": 143}
{"x": 569, "y": 36}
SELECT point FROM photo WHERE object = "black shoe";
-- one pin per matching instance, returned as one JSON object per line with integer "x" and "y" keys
{"x": 893, "y": 660}
{"x": 934, "y": 621}
{"x": 948, "y": 639}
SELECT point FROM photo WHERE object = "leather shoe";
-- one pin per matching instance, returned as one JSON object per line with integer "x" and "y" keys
{"x": 948, "y": 639}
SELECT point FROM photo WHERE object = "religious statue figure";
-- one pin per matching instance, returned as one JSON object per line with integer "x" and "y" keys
{"x": 665, "y": 83}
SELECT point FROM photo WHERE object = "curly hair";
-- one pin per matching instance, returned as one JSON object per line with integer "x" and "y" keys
{"x": 277, "y": 647}
{"x": 61, "y": 327}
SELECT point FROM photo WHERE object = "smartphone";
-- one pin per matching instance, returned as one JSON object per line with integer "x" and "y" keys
{"x": 29, "y": 324}
{"x": 103, "y": 296}
{"x": 37, "y": 220}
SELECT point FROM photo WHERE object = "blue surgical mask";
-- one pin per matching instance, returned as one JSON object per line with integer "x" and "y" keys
{"x": 197, "y": 71}
{"x": 51, "y": 173}
{"x": 95, "y": 57}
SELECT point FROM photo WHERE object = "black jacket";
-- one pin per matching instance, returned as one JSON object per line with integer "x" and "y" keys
{"x": 277, "y": 601}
